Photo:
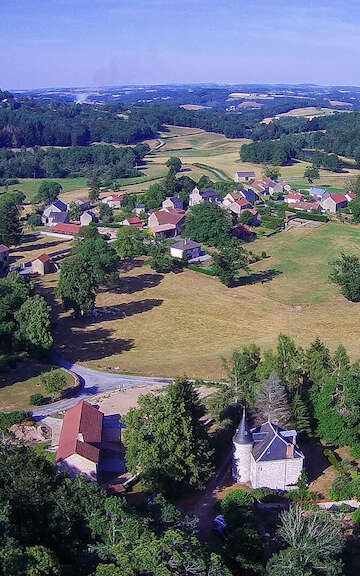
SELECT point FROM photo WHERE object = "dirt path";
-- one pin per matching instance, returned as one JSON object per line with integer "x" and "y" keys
{"x": 202, "y": 505}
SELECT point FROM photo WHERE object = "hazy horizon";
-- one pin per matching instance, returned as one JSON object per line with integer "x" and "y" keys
{"x": 59, "y": 43}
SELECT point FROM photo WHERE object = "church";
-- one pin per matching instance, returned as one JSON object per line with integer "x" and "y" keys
{"x": 266, "y": 456}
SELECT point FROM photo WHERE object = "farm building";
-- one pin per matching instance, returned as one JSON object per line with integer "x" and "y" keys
{"x": 87, "y": 217}
{"x": 294, "y": 197}
{"x": 350, "y": 196}
{"x": 334, "y": 203}
{"x": 114, "y": 200}
{"x": 244, "y": 176}
{"x": 4, "y": 253}
{"x": 185, "y": 248}
{"x": 163, "y": 231}
{"x": 173, "y": 202}
{"x": 42, "y": 265}
{"x": 266, "y": 456}
{"x": 307, "y": 206}
{"x": 66, "y": 229}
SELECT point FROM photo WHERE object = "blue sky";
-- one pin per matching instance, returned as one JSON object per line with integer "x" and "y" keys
{"x": 51, "y": 43}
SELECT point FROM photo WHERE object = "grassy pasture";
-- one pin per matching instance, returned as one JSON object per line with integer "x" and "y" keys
{"x": 308, "y": 112}
{"x": 172, "y": 324}
{"x": 19, "y": 383}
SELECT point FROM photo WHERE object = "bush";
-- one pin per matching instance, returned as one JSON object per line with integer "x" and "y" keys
{"x": 237, "y": 499}
{"x": 53, "y": 382}
{"x": 356, "y": 516}
{"x": 309, "y": 215}
{"x": 37, "y": 399}
{"x": 34, "y": 220}
{"x": 333, "y": 461}
{"x": 341, "y": 488}
{"x": 208, "y": 271}
{"x": 7, "y": 419}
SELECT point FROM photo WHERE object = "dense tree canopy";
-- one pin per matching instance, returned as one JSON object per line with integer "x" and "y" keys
{"x": 208, "y": 223}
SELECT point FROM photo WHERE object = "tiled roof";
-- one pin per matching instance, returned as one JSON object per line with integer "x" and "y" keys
{"x": 43, "y": 258}
{"x": 170, "y": 216}
{"x": 338, "y": 198}
{"x": 162, "y": 228}
{"x": 242, "y": 202}
{"x": 81, "y": 431}
{"x": 70, "y": 229}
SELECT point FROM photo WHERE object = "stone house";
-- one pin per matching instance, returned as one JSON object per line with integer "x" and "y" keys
{"x": 4, "y": 253}
{"x": 307, "y": 206}
{"x": 55, "y": 213}
{"x": 185, "y": 247}
{"x": 266, "y": 456}
{"x": 168, "y": 216}
{"x": 231, "y": 197}
{"x": 173, "y": 202}
{"x": 293, "y": 197}
{"x": 244, "y": 176}
{"x": 84, "y": 203}
{"x": 42, "y": 265}
{"x": 334, "y": 203}
{"x": 197, "y": 197}
{"x": 87, "y": 217}
{"x": 114, "y": 200}
{"x": 133, "y": 221}
{"x": 70, "y": 230}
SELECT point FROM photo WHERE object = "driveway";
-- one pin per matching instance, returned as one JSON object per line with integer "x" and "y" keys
{"x": 94, "y": 382}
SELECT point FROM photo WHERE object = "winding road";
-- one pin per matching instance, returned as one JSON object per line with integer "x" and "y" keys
{"x": 94, "y": 382}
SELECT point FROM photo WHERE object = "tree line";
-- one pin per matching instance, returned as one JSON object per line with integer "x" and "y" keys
{"x": 72, "y": 162}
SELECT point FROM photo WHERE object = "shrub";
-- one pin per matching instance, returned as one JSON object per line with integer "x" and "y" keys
{"x": 7, "y": 419}
{"x": 341, "y": 488}
{"x": 36, "y": 399}
{"x": 356, "y": 516}
{"x": 237, "y": 499}
{"x": 34, "y": 220}
{"x": 53, "y": 382}
{"x": 333, "y": 461}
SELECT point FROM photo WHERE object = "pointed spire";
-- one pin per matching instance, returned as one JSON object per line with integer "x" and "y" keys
{"x": 243, "y": 434}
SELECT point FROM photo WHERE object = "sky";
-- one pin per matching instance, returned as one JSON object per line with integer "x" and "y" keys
{"x": 79, "y": 43}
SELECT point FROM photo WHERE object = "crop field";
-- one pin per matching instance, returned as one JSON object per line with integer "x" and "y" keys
{"x": 308, "y": 112}
{"x": 168, "y": 325}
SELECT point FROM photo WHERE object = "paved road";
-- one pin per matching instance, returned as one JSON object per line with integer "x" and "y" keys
{"x": 94, "y": 382}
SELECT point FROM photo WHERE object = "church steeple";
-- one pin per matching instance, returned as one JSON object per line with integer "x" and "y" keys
{"x": 243, "y": 434}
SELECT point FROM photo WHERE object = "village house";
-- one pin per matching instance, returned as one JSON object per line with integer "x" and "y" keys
{"x": 90, "y": 443}
{"x": 84, "y": 203}
{"x": 244, "y": 232}
{"x": 139, "y": 208}
{"x": 4, "y": 254}
{"x": 185, "y": 248}
{"x": 54, "y": 213}
{"x": 244, "y": 176}
{"x": 173, "y": 202}
{"x": 250, "y": 195}
{"x": 307, "y": 206}
{"x": 293, "y": 198}
{"x": 114, "y": 200}
{"x": 87, "y": 217}
{"x": 350, "y": 196}
{"x": 266, "y": 456}
{"x": 318, "y": 192}
{"x": 133, "y": 221}
{"x": 239, "y": 206}
{"x": 162, "y": 231}
{"x": 42, "y": 265}
{"x": 334, "y": 203}
{"x": 168, "y": 216}
{"x": 70, "y": 230}
{"x": 197, "y": 197}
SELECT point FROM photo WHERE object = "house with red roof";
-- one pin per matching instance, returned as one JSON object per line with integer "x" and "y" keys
{"x": 133, "y": 221}
{"x": 350, "y": 196}
{"x": 42, "y": 265}
{"x": 239, "y": 206}
{"x": 168, "y": 216}
{"x": 307, "y": 206}
{"x": 334, "y": 203}
{"x": 80, "y": 439}
{"x": 66, "y": 229}
{"x": 114, "y": 200}
{"x": 294, "y": 197}
{"x": 4, "y": 253}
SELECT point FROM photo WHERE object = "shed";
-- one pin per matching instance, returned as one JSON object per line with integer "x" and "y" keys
{"x": 185, "y": 247}
{"x": 42, "y": 265}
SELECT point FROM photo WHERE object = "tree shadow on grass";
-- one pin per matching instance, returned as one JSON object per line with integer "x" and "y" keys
{"x": 132, "y": 284}
{"x": 128, "y": 265}
{"x": 111, "y": 313}
{"x": 315, "y": 461}
{"x": 43, "y": 246}
{"x": 22, "y": 371}
{"x": 258, "y": 277}
{"x": 83, "y": 346}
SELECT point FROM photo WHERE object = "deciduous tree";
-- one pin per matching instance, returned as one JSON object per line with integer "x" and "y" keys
{"x": 48, "y": 192}
{"x": 346, "y": 274}
{"x": 130, "y": 242}
{"x": 34, "y": 321}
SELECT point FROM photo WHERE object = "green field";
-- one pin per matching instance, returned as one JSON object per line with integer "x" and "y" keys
{"x": 30, "y": 186}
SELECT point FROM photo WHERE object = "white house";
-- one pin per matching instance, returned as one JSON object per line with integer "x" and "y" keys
{"x": 114, "y": 200}
{"x": 334, "y": 203}
{"x": 185, "y": 247}
{"x": 87, "y": 217}
{"x": 266, "y": 456}
{"x": 197, "y": 197}
{"x": 244, "y": 176}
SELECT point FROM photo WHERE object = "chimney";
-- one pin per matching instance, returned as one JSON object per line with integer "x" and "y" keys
{"x": 290, "y": 451}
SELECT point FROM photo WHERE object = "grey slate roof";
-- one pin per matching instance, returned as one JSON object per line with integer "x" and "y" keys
{"x": 271, "y": 442}
{"x": 185, "y": 244}
{"x": 58, "y": 216}
{"x": 243, "y": 434}
{"x": 59, "y": 205}
{"x": 210, "y": 193}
